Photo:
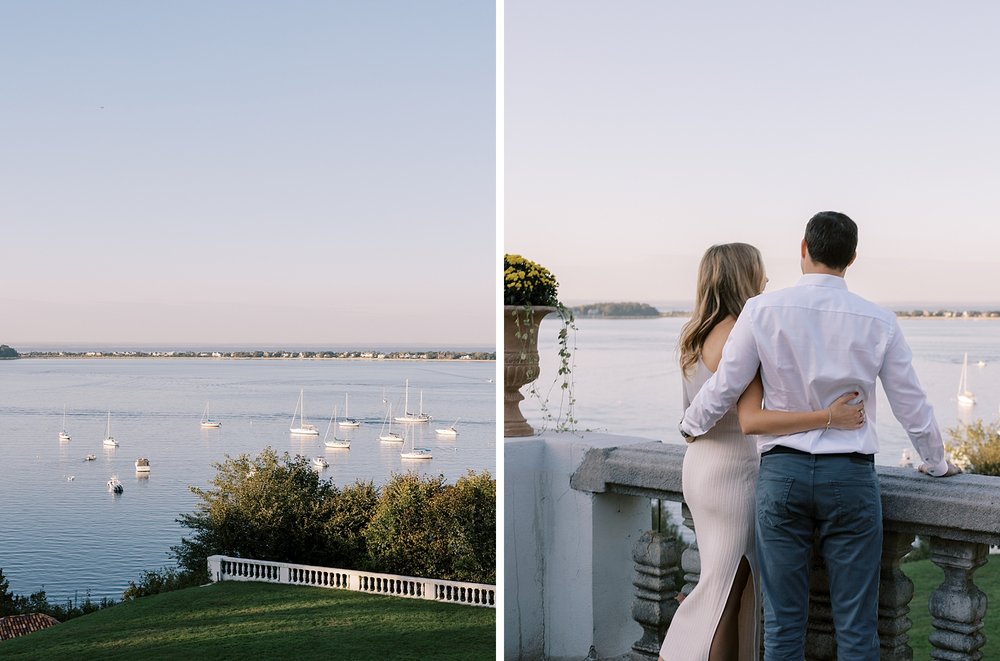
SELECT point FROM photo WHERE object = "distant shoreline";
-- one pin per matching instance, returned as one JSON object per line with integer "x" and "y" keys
{"x": 436, "y": 356}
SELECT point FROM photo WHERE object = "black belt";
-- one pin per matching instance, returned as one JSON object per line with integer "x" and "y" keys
{"x": 783, "y": 449}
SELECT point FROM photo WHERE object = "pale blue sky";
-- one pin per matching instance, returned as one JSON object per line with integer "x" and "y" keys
{"x": 639, "y": 133}
{"x": 247, "y": 171}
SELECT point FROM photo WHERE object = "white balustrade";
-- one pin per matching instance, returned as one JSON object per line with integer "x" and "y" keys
{"x": 225, "y": 568}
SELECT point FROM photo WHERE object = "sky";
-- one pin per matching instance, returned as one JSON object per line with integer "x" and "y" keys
{"x": 241, "y": 171}
{"x": 640, "y": 133}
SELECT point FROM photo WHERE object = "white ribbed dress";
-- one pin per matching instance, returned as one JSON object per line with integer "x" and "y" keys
{"x": 719, "y": 480}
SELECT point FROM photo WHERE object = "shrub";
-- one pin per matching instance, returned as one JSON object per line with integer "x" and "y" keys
{"x": 273, "y": 508}
{"x": 975, "y": 447}
{"x": 164, "y": 580}
{"x": 269, "y": 508}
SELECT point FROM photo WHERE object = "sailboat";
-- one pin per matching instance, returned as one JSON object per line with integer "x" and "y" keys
{"x": 207, "y": 422}
{"x": 389, "y": 436}
{"x": 109, "y": 440}
{"x": 348, "y": 421}
{"x": 413, "y": 417}
{"x": 334, "y": 442}
{"x": 414, "y": 453}
{"x": 302, "y": 429}
{"x": 965, "y": 396}
{"x": 448, "y": 431}
{"x": 64, "y": 435}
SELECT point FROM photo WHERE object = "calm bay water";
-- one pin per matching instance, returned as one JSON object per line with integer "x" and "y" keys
{"x": 627, "y": 380}
{"x": 70, "y": 536}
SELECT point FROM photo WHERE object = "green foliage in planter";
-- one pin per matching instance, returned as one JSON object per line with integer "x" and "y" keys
{"x": 527, "y": 283}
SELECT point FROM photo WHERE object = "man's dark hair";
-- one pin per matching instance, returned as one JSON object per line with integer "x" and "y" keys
{"x": 832, "y": 239}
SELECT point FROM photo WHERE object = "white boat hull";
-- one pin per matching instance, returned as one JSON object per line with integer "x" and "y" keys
{"x": 63, "y": 436}
{"x": 338, "y": 444}
{"x": 418, "y": 453}
{"x": 413, "y": 418}
{"x": 110, "y": 443}
{"x": 211, "y": 425}
{"x": 446, "y": 432}
{"x": 349, "y": 423}
{"x": 391, "y": 438}
{"x": 304, "y": 431}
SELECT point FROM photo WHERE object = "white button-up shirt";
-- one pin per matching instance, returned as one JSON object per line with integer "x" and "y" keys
{"x": 813, "y": 343}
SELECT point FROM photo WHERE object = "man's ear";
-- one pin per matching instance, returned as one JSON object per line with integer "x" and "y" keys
{"x": 805, "y": 249}
{"x": 853, "y": 257}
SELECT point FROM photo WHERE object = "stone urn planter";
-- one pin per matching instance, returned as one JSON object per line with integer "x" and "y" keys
{"x": 520, "y": 362}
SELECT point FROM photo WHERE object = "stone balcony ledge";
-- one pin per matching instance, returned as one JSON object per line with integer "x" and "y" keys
{"x": 585, "y": 577}
{"x": 963, "y": 508}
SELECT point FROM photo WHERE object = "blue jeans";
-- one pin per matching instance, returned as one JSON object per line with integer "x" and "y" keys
{"x": 834, "y": 499}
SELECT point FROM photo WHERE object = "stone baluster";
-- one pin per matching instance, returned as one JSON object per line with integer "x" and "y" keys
{"x": 895, "y": 590}
{"x": 690, "y": 559}
{"x": 656, "y": 558}
{"x": 957, "y": 606}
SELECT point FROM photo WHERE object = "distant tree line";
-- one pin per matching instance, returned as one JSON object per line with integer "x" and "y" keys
{"x": 379, "y": 355}
{"x": 8, "y": 352}
{"x": 629, "y": 309}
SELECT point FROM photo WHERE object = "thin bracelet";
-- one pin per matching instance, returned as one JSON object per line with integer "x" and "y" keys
{"x": 829, "y": 419}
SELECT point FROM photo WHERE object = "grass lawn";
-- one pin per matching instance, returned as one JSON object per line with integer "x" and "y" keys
{"x": 926, "y": 578}
{"x": 234, "y": 620}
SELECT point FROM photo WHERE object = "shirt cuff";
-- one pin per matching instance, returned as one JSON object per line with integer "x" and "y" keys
{"x": 938, "y": 470}
{"x": 685, "y": 428}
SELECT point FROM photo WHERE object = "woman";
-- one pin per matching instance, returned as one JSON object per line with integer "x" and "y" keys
{"x": 718, "y": 621}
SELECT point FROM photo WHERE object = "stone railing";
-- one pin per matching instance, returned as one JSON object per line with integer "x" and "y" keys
{"x": 960, "y": 516}
{"x": 225, "y": 568}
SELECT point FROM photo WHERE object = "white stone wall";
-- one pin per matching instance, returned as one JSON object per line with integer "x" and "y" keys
{"x": 567, "y": 554}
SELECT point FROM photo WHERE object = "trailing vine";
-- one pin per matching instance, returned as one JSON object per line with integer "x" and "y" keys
{"x": 529, "y": 286}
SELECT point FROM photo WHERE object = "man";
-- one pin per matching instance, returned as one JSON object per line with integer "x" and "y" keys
{"x": 812, "y": 343}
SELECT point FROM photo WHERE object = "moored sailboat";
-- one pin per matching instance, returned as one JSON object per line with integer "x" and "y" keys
{"x": 206, "y": 420}
{"x": 414, "y": 452}
{"x": 302, "y": 429}
{"x": 389, "y": 436}
{"x": 338, "y": 443}
{"x": 412, "y": 417}
{"x": 109, "y": 440}
{"x": 348, "y": 421}
{"x": 64, "y": 435}
{"x": 965, "y": 396}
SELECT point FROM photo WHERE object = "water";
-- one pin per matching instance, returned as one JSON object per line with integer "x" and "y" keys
{"x": 627, "y": 381}
{"x": 70, "y": 536}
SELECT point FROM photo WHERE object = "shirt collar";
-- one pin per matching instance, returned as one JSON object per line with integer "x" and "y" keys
{"x": 822, "y": 280}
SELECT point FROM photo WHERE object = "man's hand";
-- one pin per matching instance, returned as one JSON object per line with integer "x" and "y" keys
{"x": 952, "y": 470}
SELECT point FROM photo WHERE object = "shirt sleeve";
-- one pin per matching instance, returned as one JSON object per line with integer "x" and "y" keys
{"x": 737, "y": 368}
{"x": 909, "y": 404}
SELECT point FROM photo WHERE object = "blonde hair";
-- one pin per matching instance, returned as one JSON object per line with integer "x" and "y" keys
{"x": 728, "y": 276}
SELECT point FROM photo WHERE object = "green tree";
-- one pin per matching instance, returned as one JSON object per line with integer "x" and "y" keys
{"x": 8, "y": 352}
{"x": 466, "y": 516}
{"x": 347, "y": 515}
{"x": 270, "y": 507}
{"x": 6, "y": 596}
{"x": 399, "y": 539}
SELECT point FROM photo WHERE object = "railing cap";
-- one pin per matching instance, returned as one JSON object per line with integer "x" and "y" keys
{"x": 964, "y": 507}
